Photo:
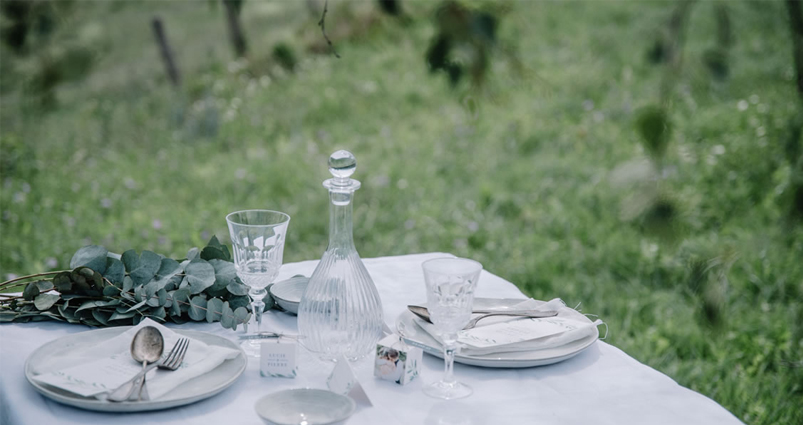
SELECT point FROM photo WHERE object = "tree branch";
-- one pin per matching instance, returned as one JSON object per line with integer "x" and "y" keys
{"x": 322, "y": 24}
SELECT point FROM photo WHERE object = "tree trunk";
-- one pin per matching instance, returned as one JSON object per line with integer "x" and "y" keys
{"x": 796, "y": 22}
{"x": 167, "y": 53}
{"x": 235, "y": 29}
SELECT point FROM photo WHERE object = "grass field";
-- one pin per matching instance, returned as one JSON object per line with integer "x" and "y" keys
{"x": 525, "y": 182}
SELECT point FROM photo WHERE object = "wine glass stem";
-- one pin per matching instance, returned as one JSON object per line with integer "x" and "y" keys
{"x": 449, "y": 348}
{"x": 257, "y": 294}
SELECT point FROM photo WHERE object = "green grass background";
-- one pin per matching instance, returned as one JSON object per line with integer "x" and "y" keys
{"x": 524, "y": 183}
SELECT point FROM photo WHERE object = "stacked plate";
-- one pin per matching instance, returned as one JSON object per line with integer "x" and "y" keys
{"x": 408, "y": 327}
{"x": 195, "y": 389}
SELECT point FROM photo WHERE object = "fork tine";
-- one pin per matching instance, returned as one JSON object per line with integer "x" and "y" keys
{"x": 172, "y": 352}
{"x": 181, "y": 350}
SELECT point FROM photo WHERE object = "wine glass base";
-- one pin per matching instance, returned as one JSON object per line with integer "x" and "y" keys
{"x": 252, "y": 348}
{"x": 448, "y": 390}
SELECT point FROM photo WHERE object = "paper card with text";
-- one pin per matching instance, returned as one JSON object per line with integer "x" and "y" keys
{"x": 278, "y": 358}
{"x": 516, "y": 331}
{"x": 344, "y": 381}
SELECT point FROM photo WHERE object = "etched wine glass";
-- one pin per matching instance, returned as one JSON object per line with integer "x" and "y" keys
{"x": 450, "y": 296}
{"x": 257, "y": 237}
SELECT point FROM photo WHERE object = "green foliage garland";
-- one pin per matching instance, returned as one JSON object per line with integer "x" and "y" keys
{"x": 106, "y": 289}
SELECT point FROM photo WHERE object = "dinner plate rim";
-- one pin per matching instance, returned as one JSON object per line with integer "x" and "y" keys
{"x": 352, "y": 404}
{"x": 151, "y": 405}
{"x": 500, "y": 361}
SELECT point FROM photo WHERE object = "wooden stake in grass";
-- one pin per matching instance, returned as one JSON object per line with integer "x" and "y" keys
{"x": 233, "y": 8}
{"x": 167, "y": 53}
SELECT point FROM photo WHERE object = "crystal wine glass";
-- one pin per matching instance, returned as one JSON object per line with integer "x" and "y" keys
{"x": 257, "y": 237}
{"x": 450, "y": 296}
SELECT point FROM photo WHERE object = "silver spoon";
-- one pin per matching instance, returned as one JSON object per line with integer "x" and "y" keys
{"x": 146, "y": 347}
{"x": 423, "y": 313}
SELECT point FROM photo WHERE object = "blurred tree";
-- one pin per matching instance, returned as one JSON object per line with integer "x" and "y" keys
{"x": 166, "y": 51}
{"x": 463, "y": 43}
{"x": 44, "y": 61}
{"x": 233, "y": 8}
{"x": 391, "y": 7}
{"x": 716, "y": 58}
{"x": 794, "y": 148}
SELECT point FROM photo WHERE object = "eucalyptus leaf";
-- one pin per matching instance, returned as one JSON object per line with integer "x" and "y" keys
{"x": 45, "y": 301}
{"x": 8, "y": 316}
{"x": 227, "y": 317}
{"x": 92, "y": 256}
{"x": 136, "y": 306}
{"x": 237, "y": 289}
{"x": 158, "y": 312}
{"x": 111, "y": 291}
{"x": 193, "y": 253}
{"x": 142, "y": 268}
{"x": 225, "y": 273}
{"x": 167, "y": 269}
{"x": 35, "y": 288}
{"x": 120, "y": 316}
{"x": 101, "y": 316}
{"x": 62, "y": 282}
{"x": 236, "y": 302}
{"x": 200, "y": 275}
{"x": 197, "y": 309}
{"x": 30, "y": 292}
{"x": 214, "y": 310}
{"x": 241, "y": 315}
{"x": 180, "y": 301}
{"x": 98, "y": 303}
{"x": 212, "y": 253}
{"x": 115, "y": 271}
{"x": 128, "y": 284}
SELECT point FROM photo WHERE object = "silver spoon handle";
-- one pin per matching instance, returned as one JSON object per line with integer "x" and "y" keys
{"x": 124, "y": 391}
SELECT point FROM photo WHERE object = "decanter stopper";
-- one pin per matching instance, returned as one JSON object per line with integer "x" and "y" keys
{"x": 342, "y": 165}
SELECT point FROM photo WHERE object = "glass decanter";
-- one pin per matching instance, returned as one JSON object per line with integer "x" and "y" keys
{"x": 340, "y": 312}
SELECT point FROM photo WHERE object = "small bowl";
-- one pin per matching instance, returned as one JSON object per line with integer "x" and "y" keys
{"x": 288, "y": 293}
{"x": 304, "y": 405}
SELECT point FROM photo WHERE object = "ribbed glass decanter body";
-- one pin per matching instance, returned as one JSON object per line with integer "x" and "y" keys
{"x": 340, "y": 312}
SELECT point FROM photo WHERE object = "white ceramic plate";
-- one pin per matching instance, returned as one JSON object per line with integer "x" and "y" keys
{"x": 195, "y": 389}
{"x": 305, "y": 405}
{"x": 288, "y": 293}
{"x": 414, "y": 335}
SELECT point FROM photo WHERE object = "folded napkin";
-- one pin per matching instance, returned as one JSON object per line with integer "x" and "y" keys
{"x": 93, "y": 370}
{"x": 500, "y": 334}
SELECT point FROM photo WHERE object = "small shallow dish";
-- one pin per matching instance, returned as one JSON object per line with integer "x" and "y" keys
{"x": 406, "y": 325}
{"x": 304, "y": 406}
{"x": 196, "y": 389}
{"x": 288, "y": 293}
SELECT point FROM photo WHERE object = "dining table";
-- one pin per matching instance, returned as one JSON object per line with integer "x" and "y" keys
{"x": 601, "y": 385}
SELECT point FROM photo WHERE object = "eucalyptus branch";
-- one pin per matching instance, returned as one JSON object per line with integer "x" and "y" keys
{"x": 2, "y": 285}
{"x": 322, "y": 24}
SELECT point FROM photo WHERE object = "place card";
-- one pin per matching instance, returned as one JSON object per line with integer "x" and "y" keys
{"x": 278, "y": 358}
{"x": 343, "y": 381}
{"x": 396, "y": 361}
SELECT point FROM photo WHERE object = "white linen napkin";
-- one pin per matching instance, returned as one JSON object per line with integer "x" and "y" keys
{"x": 501, "y": 334}
{"x": 93, "y": 370}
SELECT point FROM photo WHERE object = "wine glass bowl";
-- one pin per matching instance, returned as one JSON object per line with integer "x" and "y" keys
{"x": 257, "y": 238}
{"x": 450, "y": 296}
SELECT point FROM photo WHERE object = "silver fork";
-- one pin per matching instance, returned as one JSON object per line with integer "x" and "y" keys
{"x": 136, "y": 385}
{"x": 533, "y": 314}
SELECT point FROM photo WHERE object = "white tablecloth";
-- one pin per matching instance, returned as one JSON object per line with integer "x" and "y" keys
{"x": 603, "y": 385}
